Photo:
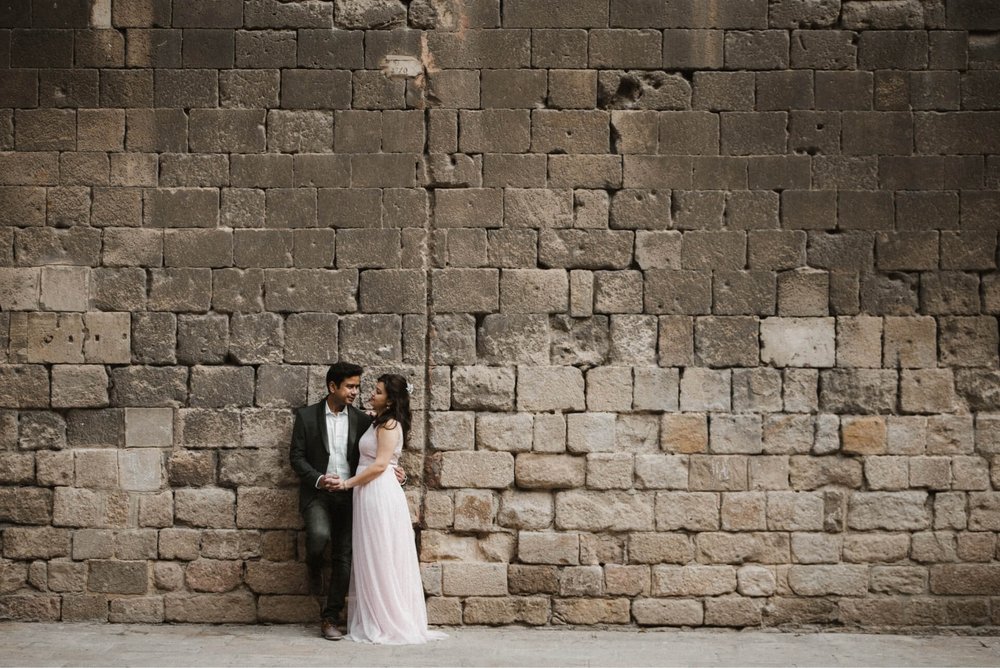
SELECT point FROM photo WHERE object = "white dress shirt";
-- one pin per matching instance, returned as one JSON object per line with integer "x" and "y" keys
{"x": 336, "y": 443}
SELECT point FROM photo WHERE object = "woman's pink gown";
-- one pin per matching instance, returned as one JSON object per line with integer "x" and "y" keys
{"x": 385, "y": 604}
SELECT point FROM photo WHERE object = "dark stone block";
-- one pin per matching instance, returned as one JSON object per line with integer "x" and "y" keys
{"x": 41, "y": 48}
{"x": 15, "y": 13}
{"x": 68, "y": 88}
{"x": 187, "y": 88}
{"x": 60, "y": 13}
{"x": 18, "y": 88}
{"x": 100, "y": 48}
{"x": 127, "y": 88}
{"x": 316, "y": 89}
{"x": 209, "y": 48}
{"x": 331, "y": 49}
{"x": 208, "y": 13}
{"x": 265, "y": 48}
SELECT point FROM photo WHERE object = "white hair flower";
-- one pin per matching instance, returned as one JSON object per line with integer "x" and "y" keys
{"x": 409, "y": 388}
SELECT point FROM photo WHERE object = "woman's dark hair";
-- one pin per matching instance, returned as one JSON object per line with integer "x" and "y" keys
{"x": 399, "y": 402}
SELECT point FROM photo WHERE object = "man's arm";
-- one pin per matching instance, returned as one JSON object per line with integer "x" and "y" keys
{"x": 297, "y": 454}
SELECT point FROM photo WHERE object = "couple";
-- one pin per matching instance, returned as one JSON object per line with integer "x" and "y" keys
{"x": 350, "y": 494}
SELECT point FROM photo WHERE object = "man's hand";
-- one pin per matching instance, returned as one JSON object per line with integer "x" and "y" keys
{"x": 400, "y": 475}
{"x": 330, "y": 483}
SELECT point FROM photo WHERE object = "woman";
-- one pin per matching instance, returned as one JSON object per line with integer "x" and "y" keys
{"x": 385, "y": 604}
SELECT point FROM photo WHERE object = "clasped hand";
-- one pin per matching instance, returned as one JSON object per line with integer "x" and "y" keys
{"x": 333, "y": 483}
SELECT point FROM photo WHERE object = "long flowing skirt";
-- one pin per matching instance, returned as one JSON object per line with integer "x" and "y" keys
{"x": 385, "y": 604}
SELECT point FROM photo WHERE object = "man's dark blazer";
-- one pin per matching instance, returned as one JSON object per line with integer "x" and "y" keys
{"x": 308, "y": 454}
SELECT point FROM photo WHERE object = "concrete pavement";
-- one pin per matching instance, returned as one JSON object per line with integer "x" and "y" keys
{"x": 229, "y": 645}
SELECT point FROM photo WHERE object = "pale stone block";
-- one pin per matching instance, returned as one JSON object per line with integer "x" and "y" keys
{"x": 661, "y": 471}
{"x": 865, "y": 548}
{"x": 838, "y": 580}
{"x": 477, "y": 469}
{"x": 693, "y": 511}
{"x": 757, "y": 390}
{"x": 505, "y": 432}
{"x": 788, "y": 434}
{"x": 894, "y": 511}
{"x": 656, "y": 389}
{"x": 526, "y": 510}
{"x": 816, "y": 548}
{"x": 549, "y": 433}
{"x": 656, "y": 548}
{"x": 626, "y": 580}
{"x": 693, "y": 580}
{"x": 906, "y": 435}
{"x": 637, "y": 433}
{"x": 859, "y": 341}
{"x": 79, "y": 386}
{"x": 795, "y": 511}
{"x": 731, "y": 434}
{"x": 949, "y": 511}
{"x": 744, "y": 511}
{"x": 470, "y": 579}
{"x": 55, "y": 338}
{"x": 604, "y": 511}
{"x": 984, "y": 511}
{"x": 610, "y": 470}
{"x": 108, "y": 338}
{"x": 667, "y": 612}
{"x": 684, "y": 433}
{"x": 140, "y": 470}
{"x": 887, "y": 473}
{"x": 65, "y": 288}
{"x": 705, "y": 389}
{"x": 609, "y": 388}
{"x": 798, "y": 342}
{"x": 534, "y": 291}
{"x": 552, "y": 388}
{"x": 548, "y": 548}
{"x": 950, "y": 435}
{"x": 927, "y": 390}
{"x": 590, "y": 432}
{"x": 827, "y": 434}
{"x": 581, "y": 293}
{"x": 970, "y": 473}
{"x": 801, "y": 390}
{"x": 482, "y": 388}
{"x": 149, "y": 427}
{"x": 633, "y": 339}
{"x": 19, "y": 288}
{"x": 581, "y": 581}
{"x": 753, "y": 580}
{"x": 768, "y": 472}
{"x": 212, "y": 508}
{"x": 452, "y": 430}
{"x": 549, "y": 471}
{"x": 910, "y": 342}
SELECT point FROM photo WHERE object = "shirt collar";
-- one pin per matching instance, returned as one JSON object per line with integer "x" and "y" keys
{"x": 343, "y": 411}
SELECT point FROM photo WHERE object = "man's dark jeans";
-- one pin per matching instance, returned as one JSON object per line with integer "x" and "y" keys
{"x": 328, "y": 520}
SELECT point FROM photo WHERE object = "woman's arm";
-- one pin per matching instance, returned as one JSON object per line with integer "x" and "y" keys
{"x": 387, "y": 436}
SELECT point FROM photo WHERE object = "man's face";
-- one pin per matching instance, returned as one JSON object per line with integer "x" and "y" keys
{"x": 345, "y": 393}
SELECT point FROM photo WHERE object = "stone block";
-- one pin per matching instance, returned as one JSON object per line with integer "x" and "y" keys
{"x": 677, "y": 292}
{"x": 118, "y": 577}
{"x": 298, "y": 290}
{"x": 228, "y": 608}
{"x": 550, "y": 388}
{"x": 892, "y": 511}
{"x": 212, "y": 508}
{"x": 684, "y": 433}
{"x": 476, "y": 469}
{"x": 470, "y": 579}
{"x": 140, "y": 470}
{"x": 79, "y": 386}
{"x": 507, "y": 432}
{"x": 591, "y": 611}
{"x": 705, "y": 389}
{"x": 601, "y": 511}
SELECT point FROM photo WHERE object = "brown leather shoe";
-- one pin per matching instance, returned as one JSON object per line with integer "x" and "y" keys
{"x": 330, "y": 630}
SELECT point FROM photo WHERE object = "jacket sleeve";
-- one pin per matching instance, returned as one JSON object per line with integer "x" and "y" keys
{"x": 297, "y": 453}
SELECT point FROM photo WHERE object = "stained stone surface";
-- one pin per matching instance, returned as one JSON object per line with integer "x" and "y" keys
{"x": 699, "y": 299}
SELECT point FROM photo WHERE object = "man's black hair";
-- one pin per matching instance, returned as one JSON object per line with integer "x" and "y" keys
{"x": 341, "y": 370}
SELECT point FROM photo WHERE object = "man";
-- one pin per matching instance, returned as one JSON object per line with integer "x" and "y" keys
{"x": 324, "y": 451}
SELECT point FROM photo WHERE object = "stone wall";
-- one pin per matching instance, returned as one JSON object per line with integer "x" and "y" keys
{"x": 699, "y": 297}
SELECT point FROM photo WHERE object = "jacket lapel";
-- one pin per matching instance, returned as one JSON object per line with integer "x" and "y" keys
{"x": 321, "y": 424}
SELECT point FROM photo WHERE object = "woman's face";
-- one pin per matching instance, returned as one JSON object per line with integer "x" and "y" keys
{"x": 379, "y": 400}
